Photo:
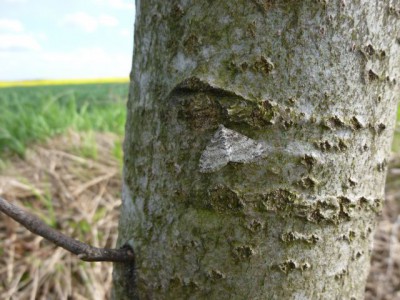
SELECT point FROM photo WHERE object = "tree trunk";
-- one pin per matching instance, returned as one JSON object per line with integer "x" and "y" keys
{"x": 256, "y": 147}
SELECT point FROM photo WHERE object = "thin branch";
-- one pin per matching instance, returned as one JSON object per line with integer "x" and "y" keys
{"x": 84, "y": 251}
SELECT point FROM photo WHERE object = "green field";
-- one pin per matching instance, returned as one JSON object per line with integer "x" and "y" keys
{"x": 32, "y": 114}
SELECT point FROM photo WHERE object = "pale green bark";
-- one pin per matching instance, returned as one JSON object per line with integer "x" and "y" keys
{"x": 256, "y": 147}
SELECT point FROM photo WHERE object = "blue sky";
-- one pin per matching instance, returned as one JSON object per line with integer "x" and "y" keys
{"x": 55, "y": 39}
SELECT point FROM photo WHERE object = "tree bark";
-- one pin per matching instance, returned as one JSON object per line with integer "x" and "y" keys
{"x": 256, "y": 147}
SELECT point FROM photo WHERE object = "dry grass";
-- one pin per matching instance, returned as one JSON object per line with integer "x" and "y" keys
{"x": 384, "y": 278}
{"x": 80, "y": 197}
{"x": 76, "y": 195}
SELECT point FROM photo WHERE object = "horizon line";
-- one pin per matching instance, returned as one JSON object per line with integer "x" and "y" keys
{"x": 44, "y": 82}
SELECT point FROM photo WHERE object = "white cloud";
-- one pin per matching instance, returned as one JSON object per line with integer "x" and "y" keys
{"x": 18, "y": 42}
{"x": 41, "y": 36}
{"x": 89, "y": 23}
{"x": 108, "y": 21}
{"x": 82, "y": 21}
{"x": 126, "y": 33}
{"x": 82, "y": 54}
{"x": 11, "y": 25}
{"x": 13, "y": 37}
{"x": 81, "y": 63}
{"x": 15, "y": 1}
{"x": 120, "y": 4}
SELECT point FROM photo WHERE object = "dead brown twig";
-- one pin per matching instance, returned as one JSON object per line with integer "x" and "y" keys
{"x": 84, "y": 251}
